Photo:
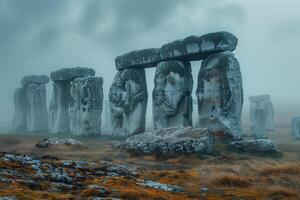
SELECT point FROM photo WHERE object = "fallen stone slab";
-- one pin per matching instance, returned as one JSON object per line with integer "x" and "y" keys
{"x": 170, "y": 141}
{"x": 34, "y": 79}
{"x": 189, "y": 49}
{"x": 68, "y": 74}
{"x": 57, "y": 141}
{"x": 254, "y": 146}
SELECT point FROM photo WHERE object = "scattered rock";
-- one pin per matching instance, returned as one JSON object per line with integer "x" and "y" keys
{"x": 161, "y": 186}
{"x": 9, "y": 198}
{"x": 57, "y": 141}
{"x": 254, "y": 146}
{"x": 170, "y": 141}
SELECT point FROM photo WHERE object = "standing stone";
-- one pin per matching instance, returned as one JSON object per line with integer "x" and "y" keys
{"x": 107, "y": 118}
{"x": 128, "y": 102}
{"x": 21, "y": 106}
{"x": 172, "y": 101}
{"x": 37, "y": 115}
{"x": 261, "y": 115}
{"x": 86, "y": 107}
{"x": 295, "y": 127}
{"x": 59, "y": 121}
{"x": 220, "y": 94}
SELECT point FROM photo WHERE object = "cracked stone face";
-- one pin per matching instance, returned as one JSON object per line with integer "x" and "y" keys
{"x": 261, "y": 115}
{"x": 172, "y": 101}
{"x": 128, "y": 102}
{"x": 220, "y": 94}
{"x": 86, "y": 108}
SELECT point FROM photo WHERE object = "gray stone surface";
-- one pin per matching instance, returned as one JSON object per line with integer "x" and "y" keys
{"x": 189, "y": 49}
{"x": 261, "y": 115}
{"x": 57, "y": 141}
{"x": 128, "y": 102}
{"x": 254, "y": 146}
{"x": 141, "y": 59}
{"x": 37, "y": 114}
{"x": 162, "y": 186}
{"x": 197, "y": 48}
{"x": 172, "y": 101}
{"x": 295, "y": 127}
{"x": 59, "y": 121}
{"x": 170, "y": 141}
{"x": 220, "y": 94}
{"x": 21, "y": 105}
{"x": 68, "y": 74}
{"x": 86, "y": 107}
{"x": 36, "y": 79}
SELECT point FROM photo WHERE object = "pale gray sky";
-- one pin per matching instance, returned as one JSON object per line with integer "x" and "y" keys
{"x": 39, "y": 36}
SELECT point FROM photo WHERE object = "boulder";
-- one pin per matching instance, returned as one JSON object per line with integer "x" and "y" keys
{"x": 197, "y": 48}
{"x": 86, "y": 107}
{"x": 170, "y": 141}
{"x": 68, "y": 74}
{"x": 128, "y": 102}
{"x": 139, "y": 59}
{"x": 172, "y": 100}
{"x": 189, "y": 49}
{"x": 37, "y": 114}
{"x": 220, "y": 94}
{"x": 21, "y": 106}
{"x": 254, "y": 146}
{"x": 34, "y": 79}
{"x": 261, "y": 115}
{"x": 57, "y": 141}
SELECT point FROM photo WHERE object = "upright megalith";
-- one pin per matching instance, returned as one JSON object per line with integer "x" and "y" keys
{"x": 172, "y": 101}
{"x": 261, "y": 115}
{"x": 128, "y": 102}
{"x": 30, "y": 104}
{"x": 86, "y": 106}
{"x": 59, "y": 121}
{"x": 295, "y": 127}
{"x": 220, "y": 94}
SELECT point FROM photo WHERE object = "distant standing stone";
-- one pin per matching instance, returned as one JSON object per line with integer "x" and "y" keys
{"x": 295, "y": 127}
{"x": 21, "y": 107}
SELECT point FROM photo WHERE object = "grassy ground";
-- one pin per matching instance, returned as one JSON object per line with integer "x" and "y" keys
{"x": 223, "y": 176}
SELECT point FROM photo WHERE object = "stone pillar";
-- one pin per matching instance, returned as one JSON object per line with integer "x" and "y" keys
{"x": 59, "y": 121}
{"x": 86, "y": 107}
{"x": 172, "y": 101}
{"x": 220, "y": 94}
{"x": 295, "y": 127}
{"x": 21, "y": 106}
{"x": 128, "y": 102}
{"x": 261, "y": 115}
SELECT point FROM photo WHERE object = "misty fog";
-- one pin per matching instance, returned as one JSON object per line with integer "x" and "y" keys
{"x": 38, "y": 37}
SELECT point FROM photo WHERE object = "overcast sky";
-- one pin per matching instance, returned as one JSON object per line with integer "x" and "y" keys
{"x": 40, "y": 36}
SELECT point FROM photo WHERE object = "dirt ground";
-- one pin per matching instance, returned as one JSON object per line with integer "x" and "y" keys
{"x": 226, "y": 175}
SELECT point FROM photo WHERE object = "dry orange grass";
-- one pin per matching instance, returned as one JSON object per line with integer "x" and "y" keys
{"x": 281, "y": 169}
{"x": 232, "y": 180}
{"x": 283, "y": 192}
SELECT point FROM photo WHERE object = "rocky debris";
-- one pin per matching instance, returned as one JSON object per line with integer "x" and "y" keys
{"x": 34, "y": 79}
{"x": 189, "y": 49}
{"x": 254, "y": 146}
{"x": 59, "y": 121}
{"x": 170, "y": 141}
{"x": 128, "y": 102}
{"x": 261, "y": 115}
{"x": 57, "y": 141}
{"x": 295, "y": 127}
{"x": 69, "y": 74}
{"x": 143, "y": 58}
{"x": 172, "y": 100}
{"x": 9, "y": 198}
{"x": 30, "y": 104}
{"x": 161, "y": 186}
{"x": 220, "y": 94}
{"x": 87, "y": 105}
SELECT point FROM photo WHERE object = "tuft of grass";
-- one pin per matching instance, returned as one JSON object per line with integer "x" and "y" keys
{"x": 279, "y": 191}
{"x": 281, "y": 169}
{"x": 232, "y": 180}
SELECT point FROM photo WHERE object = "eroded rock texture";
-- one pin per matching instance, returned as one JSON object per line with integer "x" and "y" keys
{"x": 170, "y": 141}
{"x": 21, "y": 106}
{"x": 295, "y": 127}
{"x": 59, "y": 121}
{"x": 254, "y": 146}
{"x": 128, "y": 102}
{"x": 220, "y": 94}
{"x": 261, "y": 115}
{"x": 86, "y": 107}
{"x": 30, "y": 104}
{"x": 172, "y": 101}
